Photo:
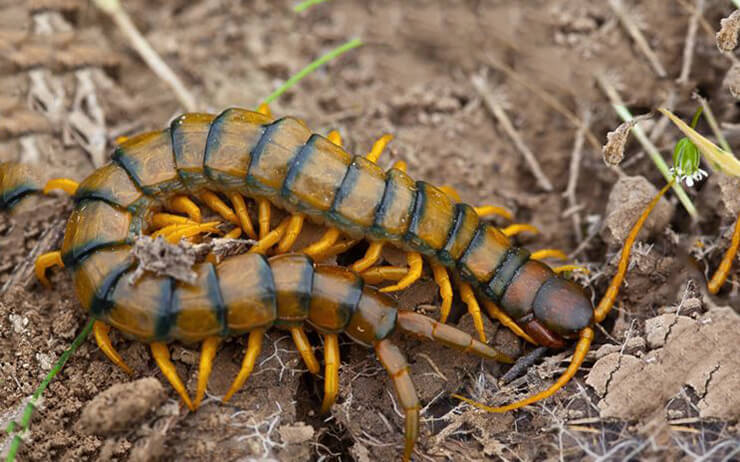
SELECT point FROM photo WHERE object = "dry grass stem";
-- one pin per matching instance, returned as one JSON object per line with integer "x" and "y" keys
{"x": 147, "y": 53}
{"x": 688, "y": 50}
{"x": 546, "y": 97}
{"x": 636, "y": 34}
{"x": 493, "y": 105}
{"x": 573, "y": 171}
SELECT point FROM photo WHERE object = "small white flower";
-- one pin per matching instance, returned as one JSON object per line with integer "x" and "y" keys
{"x": 689, "y": 178}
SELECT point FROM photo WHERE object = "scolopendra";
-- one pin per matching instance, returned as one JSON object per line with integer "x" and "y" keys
{"x": 280, "y": 162}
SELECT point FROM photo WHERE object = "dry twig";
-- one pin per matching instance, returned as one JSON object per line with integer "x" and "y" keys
{"x": 636, "y": 34}
{"x": 688, "y": 50}
{"x": 147, "y": 53}
{"x": 546, "y": 98}
{"x": 575, "y": 163}
{"x": 493, "y": 105}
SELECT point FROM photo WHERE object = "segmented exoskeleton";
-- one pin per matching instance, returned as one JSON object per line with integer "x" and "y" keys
{"x": 243, "y": 153}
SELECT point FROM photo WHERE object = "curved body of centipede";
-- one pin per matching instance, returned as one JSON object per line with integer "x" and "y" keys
{"x": 243, "y": 153}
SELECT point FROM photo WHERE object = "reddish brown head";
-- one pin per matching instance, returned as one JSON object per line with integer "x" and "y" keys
{"x": 547, "y": 307}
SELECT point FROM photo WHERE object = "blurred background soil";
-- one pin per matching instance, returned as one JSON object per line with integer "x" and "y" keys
{"x": 661, "y": 382}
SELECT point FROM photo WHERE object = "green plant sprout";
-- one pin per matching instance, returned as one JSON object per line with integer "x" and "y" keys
{"x": 686, "y": 158}
{"x": 28, "y": 411}
{"x": 719, "y": 159}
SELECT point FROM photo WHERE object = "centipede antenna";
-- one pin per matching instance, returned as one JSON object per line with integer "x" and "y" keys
{"x": 610, "y": 295}
{"x": 720, "y": 276}
{"x": 582, "y": 347}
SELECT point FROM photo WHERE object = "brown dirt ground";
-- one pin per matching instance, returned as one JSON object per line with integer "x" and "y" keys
{"x": 71, "y": 84}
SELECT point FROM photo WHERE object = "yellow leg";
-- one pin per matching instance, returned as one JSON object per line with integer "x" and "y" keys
{"x": 254, "y": 346}
{"x": 720, "y": 276}
{"x": 331, "y": 374}
{"x": 415, "y": 265}
{"x": 220, "y": 207}
{"x": 518, "y": 228}
{"x": 468, "y": 297}
{"x": 263, "y": 216}
{"x": 322, "y": 245}
{"x": 264, "y": 109}
{"x": 162, "y": 357}
{"x": 400, "y": 165}
{"x": 584, "y": 342}
{"x": 488, "y": 210}
{"x": 607, "y": 301}
{"x": 207, "y": 353}
{"x": 378, "y": 147}
{"x": 295, "y": 225}
{"x": 304, "y": 348}
{"x": 186, "y": 231}
{"x": 160, "y": 220}
{"x": 371, "y": 256}
{"x": 241, "y": 211}
{"x": 166, "y": 230}
{"x": 496, "y": 313}
{"x": 233, "y": 234}
{"x": 564, "y": 268}
{"x": 548, "y": 253}
{"x": 65, "y": 184}
{"x": 336, "y": 249}
{"x": 379, "y": 274}
{"x": 183, "y": 204}
{"x": 334, "y": 137}
{"x": 445, "y": 289}
{"x": 100, "y": 331}
{"x": 44, "y": 262}
{"x": 272, "y": 238}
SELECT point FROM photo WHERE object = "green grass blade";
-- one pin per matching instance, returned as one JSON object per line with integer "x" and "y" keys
{"x": 28, "y": 411}
{"x": 312, "y": 67}
{"x": 306, "y": 5}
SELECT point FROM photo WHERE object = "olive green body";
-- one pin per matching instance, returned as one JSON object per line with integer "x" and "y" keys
{"x": 16, "y": 182}
{"x": 238, "y": 295}
{"x": 301, "y": 172}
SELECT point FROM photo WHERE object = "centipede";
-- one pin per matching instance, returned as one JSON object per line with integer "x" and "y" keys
{"x": 153, "y": 186}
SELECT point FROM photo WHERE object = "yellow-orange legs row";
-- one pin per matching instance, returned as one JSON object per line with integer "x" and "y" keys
{"x": 586, "y": 335}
